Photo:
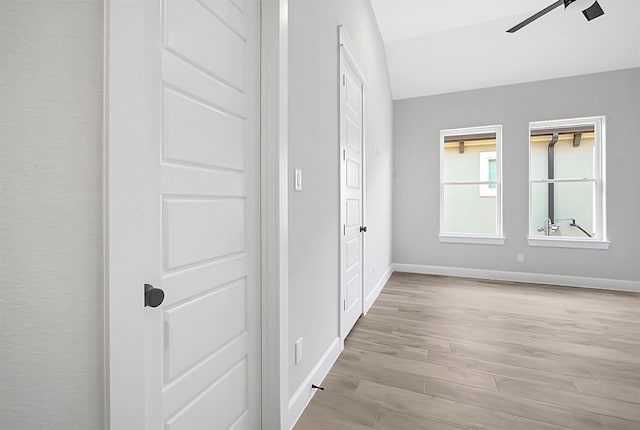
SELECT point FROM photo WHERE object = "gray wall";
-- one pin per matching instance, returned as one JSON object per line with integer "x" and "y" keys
{"x": 314, "y": 213}
{"x": 51, "y": 329}
{"x": 417, "y": 123}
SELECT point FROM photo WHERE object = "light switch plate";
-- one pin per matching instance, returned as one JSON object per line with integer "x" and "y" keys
{"x": 297, "y": 179}
{"x": 298, "y": 350}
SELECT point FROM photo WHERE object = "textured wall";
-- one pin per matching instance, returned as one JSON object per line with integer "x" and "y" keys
{"x": 51, "y": 317}
{"x": 417, "y": 124}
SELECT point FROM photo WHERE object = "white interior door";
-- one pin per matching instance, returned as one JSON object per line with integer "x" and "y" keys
{"x": 351, "y": 142}
{"x": 201, "y": 208}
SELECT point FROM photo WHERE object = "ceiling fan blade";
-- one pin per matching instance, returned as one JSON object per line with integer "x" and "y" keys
{"x": 536, "y": 16}
{"x": 593, "y": 11}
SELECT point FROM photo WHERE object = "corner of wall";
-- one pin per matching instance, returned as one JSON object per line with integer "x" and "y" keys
{"x": 373, "y": 295}
{"x": 532, "y": 278}
{"x": 303, "y": 395}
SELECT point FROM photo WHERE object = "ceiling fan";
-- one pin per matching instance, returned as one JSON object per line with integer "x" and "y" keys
{"x": 589, "y": 13}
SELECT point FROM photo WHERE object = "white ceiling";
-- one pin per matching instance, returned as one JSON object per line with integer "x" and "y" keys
{"x": 440, "y": 46}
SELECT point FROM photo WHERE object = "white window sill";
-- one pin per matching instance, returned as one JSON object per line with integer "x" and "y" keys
{"x": 555, "y": 242}
{"x": 478, "y": 240}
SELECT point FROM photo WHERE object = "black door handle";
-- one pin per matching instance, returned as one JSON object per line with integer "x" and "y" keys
{"x": 153, "y": 297}
{"x": 363, "y": 228}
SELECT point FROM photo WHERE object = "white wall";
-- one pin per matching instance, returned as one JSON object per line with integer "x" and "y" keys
{"x": 417, "y": 123}
{"x": 51, "y": 354}
{"x": 314, "y": 216}
{"x": 482, "y": 54}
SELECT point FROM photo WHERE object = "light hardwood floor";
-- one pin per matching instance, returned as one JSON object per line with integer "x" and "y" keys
{"x": 443, "y": 353}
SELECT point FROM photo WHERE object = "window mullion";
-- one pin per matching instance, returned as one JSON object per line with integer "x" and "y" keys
{"x": 471, "y": 183}
{"x": 559, "y": 181}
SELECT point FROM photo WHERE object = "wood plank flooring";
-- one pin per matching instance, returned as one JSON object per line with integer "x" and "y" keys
{"x": 443, "y": 353}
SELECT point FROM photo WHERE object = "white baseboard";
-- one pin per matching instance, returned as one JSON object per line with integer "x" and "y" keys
{"x": 534, "y": 278}
{"x": 301, "y": 398}
{"x": 373, "y": 295}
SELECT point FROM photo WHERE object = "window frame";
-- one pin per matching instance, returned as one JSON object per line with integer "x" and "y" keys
{"x": 474, "y": 238}
{"x": 600, "y": 241}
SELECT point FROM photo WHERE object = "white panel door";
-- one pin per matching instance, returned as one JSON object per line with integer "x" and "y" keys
{"x": 351, "y": 143}
{"x": 202, "y": 215}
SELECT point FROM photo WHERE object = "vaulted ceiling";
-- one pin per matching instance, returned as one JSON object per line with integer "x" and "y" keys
{"x": 440, "y": 46}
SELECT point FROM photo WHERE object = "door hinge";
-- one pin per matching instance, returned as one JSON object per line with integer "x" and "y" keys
{"x": 344, "y": 229}
{"x": 344, "y": 154}
{"x": 344, "y": 80}
{"x": 344, "y": 304}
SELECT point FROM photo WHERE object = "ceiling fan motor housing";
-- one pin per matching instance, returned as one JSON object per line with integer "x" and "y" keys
{"x": 593, "y": 11}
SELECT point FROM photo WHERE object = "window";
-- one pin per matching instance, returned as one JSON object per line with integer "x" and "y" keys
{"x": 470, "y": 185}
{"x": 488, "y": 173}
{"x": 566, "y": 183}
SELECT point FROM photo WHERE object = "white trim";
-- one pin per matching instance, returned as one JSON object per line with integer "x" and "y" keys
{"x": 373, "y": 295}
{"x": 479, "y": 240}
{"x": 533, "y": 278}
{"x": 124, "y": 221}
{"x": 274, "y": 213}
{"x": 106, "y": 304}
{"x": 601, "y": 186}
{"x": 305, "y": 393}
{"x": 347, "y": 53}
{"x": 599, "y": 179}
{"x": 470, "y": 183}
{"x": 569, "y": 122}
{"x": 347, "y": 44}
{"x": 559, "y": 181}
{"x": 363, "y": 258}
{"x": 497, "y": 129}
{"x": 363, "y": 185}
{"x": 557, "y": 242}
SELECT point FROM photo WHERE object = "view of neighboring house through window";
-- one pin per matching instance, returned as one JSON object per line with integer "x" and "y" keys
{"x": 488, "y": 172}
{"x": 566, "y": 183}
{"x": 471, "y": 188}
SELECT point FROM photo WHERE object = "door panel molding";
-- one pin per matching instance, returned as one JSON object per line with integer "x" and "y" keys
{"x": 126, "y": 141}
{"x": 352, "y": 184}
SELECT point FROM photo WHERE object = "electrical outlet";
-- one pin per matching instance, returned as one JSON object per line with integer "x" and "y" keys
{"x": 298, "y": 351}
{"x": 520, "y": 258}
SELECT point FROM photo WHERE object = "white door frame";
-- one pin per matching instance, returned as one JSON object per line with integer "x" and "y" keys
{"x": 125, "y": 138}
{"x": 274, "y": 214}
{"x": 348, "y": 53}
